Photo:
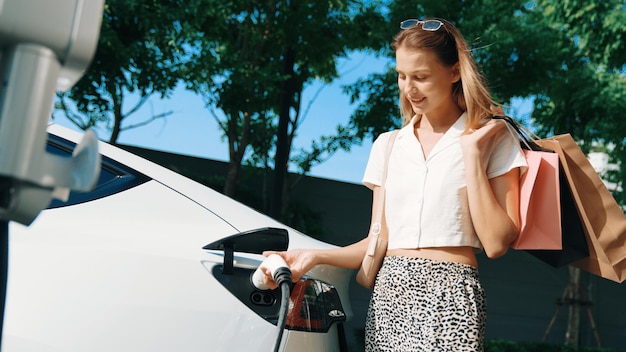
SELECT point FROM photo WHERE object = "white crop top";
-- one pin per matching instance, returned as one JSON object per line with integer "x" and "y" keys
{"x": 426, "y": 200}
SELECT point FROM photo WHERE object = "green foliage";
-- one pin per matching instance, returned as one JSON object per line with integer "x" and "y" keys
{"x": 569, "y": 56}
{"x": 140, "y": 50}
{"x": 379, "y": 110}
{"x": 251, "y": 62}
{"x": 496, "y": 345}
{"x": 586, "y": 93}
{"x": 247, "y": 50}
{"x": 324, "y": 149}
{"x": 510, "y": 61}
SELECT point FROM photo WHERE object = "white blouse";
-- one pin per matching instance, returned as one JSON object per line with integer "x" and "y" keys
{"x": 426, "y": 199}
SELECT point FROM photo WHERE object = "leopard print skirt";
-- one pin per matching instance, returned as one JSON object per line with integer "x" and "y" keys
{"x": 424, "y": 305}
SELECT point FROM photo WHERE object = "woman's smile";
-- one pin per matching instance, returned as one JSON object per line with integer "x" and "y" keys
{"x": 416, "y": 101}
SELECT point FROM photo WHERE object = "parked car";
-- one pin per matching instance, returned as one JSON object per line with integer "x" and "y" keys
{"x": 152, "y": 261}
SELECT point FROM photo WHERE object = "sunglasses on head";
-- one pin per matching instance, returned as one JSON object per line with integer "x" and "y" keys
{"x": 428, "y": 25}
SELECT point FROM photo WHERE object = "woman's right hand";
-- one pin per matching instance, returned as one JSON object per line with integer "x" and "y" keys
{"x": 300, "y": 261}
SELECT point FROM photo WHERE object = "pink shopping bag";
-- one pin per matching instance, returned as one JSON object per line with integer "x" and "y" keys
{"x": 540, "y": 205}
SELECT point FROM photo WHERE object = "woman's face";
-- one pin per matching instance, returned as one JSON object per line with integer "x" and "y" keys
{"x": 425, "y": 81}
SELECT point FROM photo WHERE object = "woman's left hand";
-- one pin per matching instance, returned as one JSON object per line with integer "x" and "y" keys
{"x": 481, "y": 141}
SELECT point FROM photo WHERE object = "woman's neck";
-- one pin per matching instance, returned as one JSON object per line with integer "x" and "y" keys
{"x": 439, "y": 121}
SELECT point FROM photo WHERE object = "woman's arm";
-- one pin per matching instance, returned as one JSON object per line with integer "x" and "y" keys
{"x": 300, "y": 261}
{"x": 493, "y": 203}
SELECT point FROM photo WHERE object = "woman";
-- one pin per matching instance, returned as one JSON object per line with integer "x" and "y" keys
{"x": 452, "y": 190}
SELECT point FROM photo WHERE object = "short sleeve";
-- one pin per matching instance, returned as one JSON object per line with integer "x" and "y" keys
{"x": 373, "y": 175}
{"x": 506, "y": 155}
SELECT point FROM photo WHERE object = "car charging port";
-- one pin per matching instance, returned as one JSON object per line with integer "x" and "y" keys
{"x": 266, "y": 299}
{"x": 281, "y": 274}
{"x": 315, "y": 305}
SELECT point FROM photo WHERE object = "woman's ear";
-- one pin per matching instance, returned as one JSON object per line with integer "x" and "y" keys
{"x": 456, "y": 73}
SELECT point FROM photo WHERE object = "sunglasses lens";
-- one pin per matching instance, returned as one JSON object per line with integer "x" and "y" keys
{"x": 406, "y": 24}
{"x": 431, "y": 25}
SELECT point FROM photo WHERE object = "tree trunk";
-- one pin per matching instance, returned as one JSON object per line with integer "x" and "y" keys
{"x": 574, "y": 299}
{"x": 117, "y": 119}
{"x": 283, "y": 147}
{"x": 231, "y": 178}
{"x": 237, "y": 145}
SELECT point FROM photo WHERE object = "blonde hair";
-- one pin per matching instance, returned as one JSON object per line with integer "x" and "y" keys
{"x": 471, "y": 91}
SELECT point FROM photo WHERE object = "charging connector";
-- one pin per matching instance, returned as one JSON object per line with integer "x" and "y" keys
{"x": 277, "y": 266}
{"x": 282, "y": 276}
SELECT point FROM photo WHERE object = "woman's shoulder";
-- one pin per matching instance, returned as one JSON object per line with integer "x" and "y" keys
{"x": 384, "y": 137}
{"x": 379, "y": 146}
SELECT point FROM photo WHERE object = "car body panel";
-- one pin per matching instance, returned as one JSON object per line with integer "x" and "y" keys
{"x": 79, "y": 281}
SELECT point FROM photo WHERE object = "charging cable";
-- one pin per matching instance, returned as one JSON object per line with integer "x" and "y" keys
{"x": 282, "y": 276}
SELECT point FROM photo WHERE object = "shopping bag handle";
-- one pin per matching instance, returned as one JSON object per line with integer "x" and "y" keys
{"x": 526, "y": 137}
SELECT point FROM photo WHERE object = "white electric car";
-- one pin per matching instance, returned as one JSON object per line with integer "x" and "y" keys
{"x": 152, "y": 261}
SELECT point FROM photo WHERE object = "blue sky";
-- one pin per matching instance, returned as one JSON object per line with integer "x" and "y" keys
{"x": 192, "y": 130}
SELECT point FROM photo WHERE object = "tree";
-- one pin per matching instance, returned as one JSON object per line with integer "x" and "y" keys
{"x": 234, "y": 70}
{"x": 266, "y": 53}
{"x": 569, "y": 57}
{"x": 586, "y": 92}
{"x": 139, "y": 54}
{"x": 492, "y": 28}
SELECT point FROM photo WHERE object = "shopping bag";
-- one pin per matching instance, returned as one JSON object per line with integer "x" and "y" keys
{"x": 603, "y": 220}
{"x": 540, "y": 210}
{"x": 573, "y": 243}
{"x": 573, "y": 239}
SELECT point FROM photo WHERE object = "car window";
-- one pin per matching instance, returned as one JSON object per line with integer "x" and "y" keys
{"x": 114, "y": 176}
